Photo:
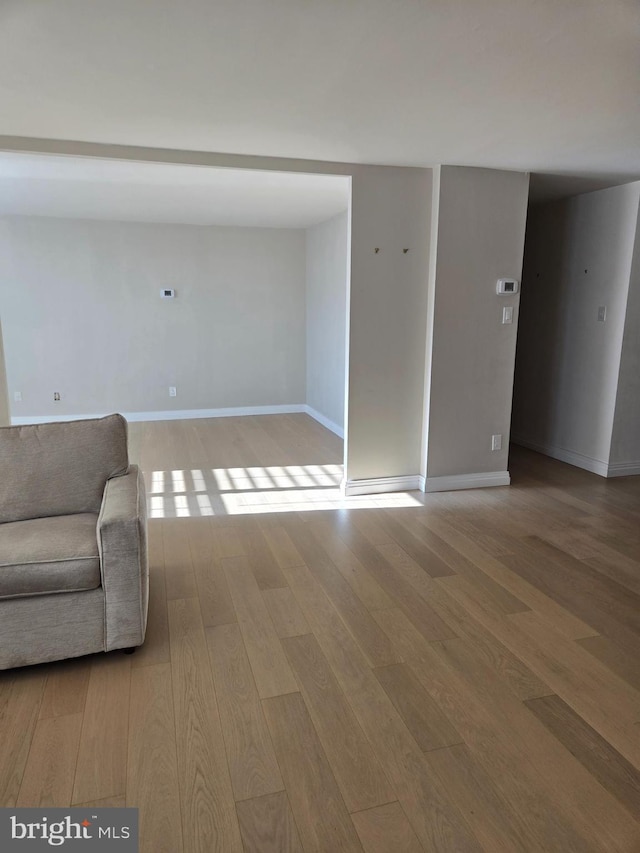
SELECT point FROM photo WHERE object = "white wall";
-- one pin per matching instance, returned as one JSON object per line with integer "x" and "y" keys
{"x": 82, "y": 313}
{"x": 326, "y": 303}
{"x": 391, "y": 211}
{"x": 625, "y": 441}
{"x": 480, "y": 238}
{"x": 578, "y": 257}
{"x": 4, "y": 392}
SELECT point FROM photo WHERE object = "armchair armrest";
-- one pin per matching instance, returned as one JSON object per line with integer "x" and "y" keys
{"x": 122, "y": 544}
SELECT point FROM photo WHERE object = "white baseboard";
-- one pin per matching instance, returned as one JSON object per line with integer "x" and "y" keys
{"x": 382, "y": 485}
{"x": 467, "y": 481}
{"x": 595, "y": 466}
{"x": 173, "y": 415}
{"x": 188, "y": 414}
{"x": 330, "y": 425}
{"x": 623, "y": 469}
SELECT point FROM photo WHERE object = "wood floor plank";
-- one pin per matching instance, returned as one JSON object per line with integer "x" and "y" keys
{"x": 271, "y": 671}
{"x": 180, "y": 578}
{"x": 267, "y": 825}
{"x": 576, "y": 792}
{"x": 20, "y": 699}
{"x": 476, "y": 797}
{"x": 152, "y": 765}
{"x": 281, "y": 546}
{"x": 459, "y": 623}
{"x": 48, "y": 776}
{"x": 227, "y": 541}
{"x": 371, "y": 639}
{"x": 614, "y": 657}
{"x": 617, "y": 558}
{"x": 437, "y": 823}
{"x": 357, "y": 770}
{"x": 252, "y": 761}
{"x": 102, "y": 754}
{"x": 610, "y": 608}
{"x": 520, "y": 511}
{"x": 423, "y": 617}
{"x": 600, "y": 697}
{"x": 572, "y": 542}
{"x": 410, "y": 644}
{"x": 564, "y": 620}
{"x": 216, "y": 605}
{"x": 209, "y": 820}
{"x": 369, "y": 526}
{"x": 605, "y": 763}
{"x": 320, "y": 813}
{"x": 473, "y": 524}
{"x": 428, "y": 560}
{"x": 617, "y": 567}
{"x": 264, "y": 566}
{"x": 359, "y": 579}
{"x": 529, "y": 798}
{"x": 287, "y": 618}
{"x": 407, "y": 640}
{"x": 520, "y": 678}
{"x": 427, "y": 723}
{"x": 487, "y": 602}
{"x": 66, "y": 689}
{"x": 385, "y": 829}
{"x": 108, "y": 803}
{"x": 461, "y": 565}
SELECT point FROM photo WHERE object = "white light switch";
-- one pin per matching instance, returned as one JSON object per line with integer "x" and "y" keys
{"x": 602, "y": 313}
{"x": 507, "y": 314}
{"x": 496, "y": 442}
{"x": 172, "y": 390}
{"x": 17, "y": 396}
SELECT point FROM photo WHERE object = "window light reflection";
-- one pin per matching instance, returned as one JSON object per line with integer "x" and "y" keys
{"x": 202, "y": 492}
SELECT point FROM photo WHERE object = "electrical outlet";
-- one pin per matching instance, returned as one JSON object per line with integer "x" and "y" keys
{"x": 56, "y": 396}
{"x": 172, "y": 390}
{"x": 496, "y": 442}
{"x": 17, "y": 396}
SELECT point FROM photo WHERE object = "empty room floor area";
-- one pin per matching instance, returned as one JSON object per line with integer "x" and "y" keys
{"x": 455, "y": 672}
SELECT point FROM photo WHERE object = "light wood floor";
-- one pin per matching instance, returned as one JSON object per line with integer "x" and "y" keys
{"x": 460, "y": 673}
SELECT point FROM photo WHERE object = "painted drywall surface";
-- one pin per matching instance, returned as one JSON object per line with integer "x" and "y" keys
{"x": 326, "y": 305}
{"x": 481, "y": 226}
{"x": 391, "y": 211}
{"x": 384, "y": 408}
{"x": 578, "y": 258}
{"x": 4, "y": 392}
{"x": 83, "y": 315}
{"x": 625, "y": 441}
{"x": 431, "y": 297}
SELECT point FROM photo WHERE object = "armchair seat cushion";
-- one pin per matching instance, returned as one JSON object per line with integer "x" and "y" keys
{"x": 41, "y": 556}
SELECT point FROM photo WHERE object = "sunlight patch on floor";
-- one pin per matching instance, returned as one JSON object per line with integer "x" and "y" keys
{"x": 198, "y": 492}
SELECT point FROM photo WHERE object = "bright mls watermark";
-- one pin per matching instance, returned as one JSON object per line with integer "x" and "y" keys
{"x": 80, "y": 830}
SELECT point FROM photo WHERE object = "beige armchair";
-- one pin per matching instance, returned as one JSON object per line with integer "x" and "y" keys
{"x": 73, "y": 542}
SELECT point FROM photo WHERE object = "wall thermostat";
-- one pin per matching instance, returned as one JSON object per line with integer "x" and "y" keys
{"x": 507, "y": 285}
{"x": 167, "y": 293}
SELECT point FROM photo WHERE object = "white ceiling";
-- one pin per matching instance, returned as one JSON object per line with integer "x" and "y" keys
{"x": 549, "y": 86}
{"x": 87, "y": 188}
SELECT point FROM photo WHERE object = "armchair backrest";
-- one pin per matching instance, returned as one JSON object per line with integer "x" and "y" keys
{"x": 59, "y": 468}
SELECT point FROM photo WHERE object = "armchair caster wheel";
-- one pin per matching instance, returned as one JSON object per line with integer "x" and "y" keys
{"x": 129, "y": 651}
